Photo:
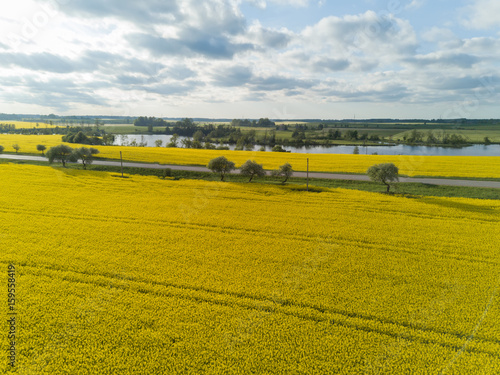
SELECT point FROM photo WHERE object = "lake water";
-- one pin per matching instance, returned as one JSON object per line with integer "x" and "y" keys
{"x": 475, "y": 150}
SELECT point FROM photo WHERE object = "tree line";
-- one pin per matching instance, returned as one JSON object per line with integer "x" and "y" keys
{"x": 88, "y": 138}
{"x": 250, "y": 168}
{"x": 431, "y": 138}
{"x": 385, "y": 173}
{"x": 64, "y": 154}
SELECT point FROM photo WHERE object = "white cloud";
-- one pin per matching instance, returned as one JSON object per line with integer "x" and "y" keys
{"x": 215, "y": 16}
{"x": 415, "y": 4}
{"x": 483, "y": 46}
{"x": 367, "y": 33}
{"x": 262, "y": 4}
{"x": 445, "y": 38}
{"x": 460, "y": 60}
{"x": 482, "y": 14}
{"x": 294, "y": 3}
{"x": 195, "y": 56}
{"x": 438, "y": 34}
{"x": 269, "y": 38}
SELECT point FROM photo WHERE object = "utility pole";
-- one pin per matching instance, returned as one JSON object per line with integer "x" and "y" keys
{"x": 307, "y": 174}
{"x": 121, "y": 162}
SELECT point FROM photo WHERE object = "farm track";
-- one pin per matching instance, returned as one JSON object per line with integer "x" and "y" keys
{"x": 330, "y": 176}
{"x": 368, "y": 323}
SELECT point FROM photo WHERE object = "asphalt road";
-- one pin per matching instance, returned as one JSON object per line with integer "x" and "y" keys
{"x": 332, "y": 176}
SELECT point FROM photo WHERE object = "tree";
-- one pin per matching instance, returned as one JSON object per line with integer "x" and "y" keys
{"x": 150, "y": 122}
{"x": 265, "y": 122}
{"x": 80, "y": 138}
{"x": 384, "y": 173}
{"x": 158, "y": 143}
{"x": 167, "y": 172}
{"x": 284, "y": 171}
{"x": 221, "y": 165}
{"x": 198, "y": 136}
{"x": 61, "y": 153}
{"x": 108, "y": 139}
{"x": 86, "y": 155}
{"x": 173, "y": 141}
{"x": 278, "y": 148}
{"x": 41, "y": 148}
{"x": 352, "y": 135}
{"x": 415, "y": 136}
{"x": 186, "y": 142}
{"x": 431, "y": 138}
{"x": 252, "y": 169}
{"x": 356, "y": 150}
{"x": 1, "y": 148}
{"x": 16, "y": 147}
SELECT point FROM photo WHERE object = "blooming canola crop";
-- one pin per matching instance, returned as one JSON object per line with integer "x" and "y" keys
{"x": 28, "y": 125}
{"x": 143, "y": 275}
{"x": 411, "y": 165}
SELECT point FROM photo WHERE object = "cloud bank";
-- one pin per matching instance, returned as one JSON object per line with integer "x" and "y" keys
{"x": 184, "y": 57}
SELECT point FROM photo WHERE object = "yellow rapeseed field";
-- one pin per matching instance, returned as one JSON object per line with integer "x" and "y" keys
{"x": 149, "y": 276}
{"x": 28, "y": 143}
{"x": 447, "y": 166}
{"x": 28, "y": 125}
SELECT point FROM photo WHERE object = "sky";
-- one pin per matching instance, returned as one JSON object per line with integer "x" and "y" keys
{"x": 282, "y": 59}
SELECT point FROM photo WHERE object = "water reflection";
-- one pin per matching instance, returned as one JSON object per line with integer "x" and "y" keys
{"x": 475, "y": 150}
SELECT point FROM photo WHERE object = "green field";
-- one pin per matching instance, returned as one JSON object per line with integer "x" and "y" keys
{"x": 474, "y": 136}
{"x": 125, "y": 129}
